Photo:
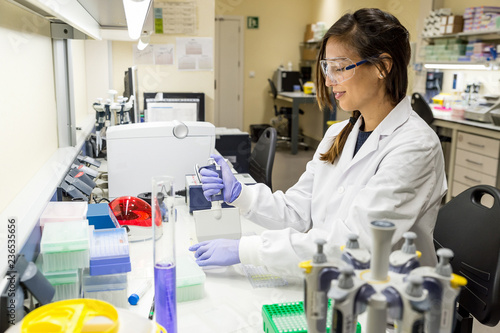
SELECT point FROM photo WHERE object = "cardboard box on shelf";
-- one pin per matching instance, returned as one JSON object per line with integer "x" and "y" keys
{"x": 309, "y": 53}
{"x": 454, "y": 28}
{"x": 455, "y": 19}
{"x": 309, "y": 34}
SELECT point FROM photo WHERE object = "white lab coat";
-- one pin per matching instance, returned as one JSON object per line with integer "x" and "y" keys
{"x": 397, "y": 175}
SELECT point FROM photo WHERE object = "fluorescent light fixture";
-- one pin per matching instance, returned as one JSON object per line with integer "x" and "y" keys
{"x": 456, "y": 66}
{"x": 143, "y": 42}
{"x": 135, "y": 13}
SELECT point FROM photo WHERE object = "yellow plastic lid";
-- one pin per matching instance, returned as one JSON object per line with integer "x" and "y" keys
{"x": 75, "y": 315}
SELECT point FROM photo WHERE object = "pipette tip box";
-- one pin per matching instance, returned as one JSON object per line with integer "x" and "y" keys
{"x": 63, "y": 211}
{"x": 290, "y": 317}
{"x": 109, "y": 251}
{"x": 190, "y": 280}
{"x": 110, "y": 288}
{"x": 65, "y": 246}
{"x": 66, "y": 284}
{"x": 101, "y": 216}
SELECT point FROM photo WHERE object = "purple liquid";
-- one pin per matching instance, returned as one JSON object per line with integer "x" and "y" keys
{"x": 165, "y": 296}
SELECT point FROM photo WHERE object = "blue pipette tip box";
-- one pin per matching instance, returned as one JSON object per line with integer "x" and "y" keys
{"x": 101, "y": 216}
{"x": 109, "y": 252}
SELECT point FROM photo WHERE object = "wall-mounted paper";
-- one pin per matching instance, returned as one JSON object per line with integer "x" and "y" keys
{"x": 144, "y": 57}
{"x": 175, "y": 17}
{"x": 164, "y": 54}
{"x": 195, "y": 53}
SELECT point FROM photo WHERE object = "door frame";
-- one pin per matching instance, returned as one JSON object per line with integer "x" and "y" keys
{"x": 241, "y": 72}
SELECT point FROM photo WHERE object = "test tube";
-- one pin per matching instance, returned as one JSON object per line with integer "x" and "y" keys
{"x": 164, "y": 253}
{"x": 137, "y": 295}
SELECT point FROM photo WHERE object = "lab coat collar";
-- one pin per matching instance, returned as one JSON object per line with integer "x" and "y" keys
{"x": 391, "y": 122}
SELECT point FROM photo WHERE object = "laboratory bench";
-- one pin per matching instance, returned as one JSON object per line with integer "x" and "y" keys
{"x": 229, "y": 304}
{"x": 473, "y": 152}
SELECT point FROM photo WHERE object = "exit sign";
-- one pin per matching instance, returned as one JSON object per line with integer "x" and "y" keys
{"x": 252, "y": 22}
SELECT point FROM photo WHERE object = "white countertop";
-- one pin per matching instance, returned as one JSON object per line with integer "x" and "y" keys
{"x": 230, "y": 303}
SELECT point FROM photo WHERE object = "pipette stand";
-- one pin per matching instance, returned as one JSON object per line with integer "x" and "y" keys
{"x": 391, "y": 287}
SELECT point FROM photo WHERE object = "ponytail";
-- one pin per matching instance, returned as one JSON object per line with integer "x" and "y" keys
{"x": 339, "y": 141}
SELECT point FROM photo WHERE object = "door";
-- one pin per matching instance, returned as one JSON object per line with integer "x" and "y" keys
{"x": 229, "y": 72}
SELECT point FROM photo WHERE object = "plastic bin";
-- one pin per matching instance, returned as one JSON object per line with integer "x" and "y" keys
{"x": 289, "y": 317}
{"x": 65, "y": 246}
{"x": 60, "y": 211}
{"x": 109, "y": 251}
{"x": 190, "y": 280}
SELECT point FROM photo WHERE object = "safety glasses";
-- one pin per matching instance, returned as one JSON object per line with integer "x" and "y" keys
{"x": 339, "y": 69}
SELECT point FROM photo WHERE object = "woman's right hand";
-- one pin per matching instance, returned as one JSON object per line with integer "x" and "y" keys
{"x": 212, "y": 183}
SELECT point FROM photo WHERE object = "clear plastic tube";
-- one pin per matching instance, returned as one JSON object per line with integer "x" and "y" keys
{"x": 162, "y": 205}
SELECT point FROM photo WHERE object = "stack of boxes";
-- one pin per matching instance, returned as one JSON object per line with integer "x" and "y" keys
{"x": 80, "y": 261}
{"x": 479, "y": 51}
{"x": 64, "y": 249}
{"x": 451, "y": 24}
{"x": 481, "y": 18}
{"x": 445, "y": 49}
{"x": 432, "y": 23}
{"x": 106, "y": 278}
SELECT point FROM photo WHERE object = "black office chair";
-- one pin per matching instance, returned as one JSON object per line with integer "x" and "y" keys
{"x": 421, "y": 107}
{"x": 262, "y": 157}
{"x": 472, "y": 231}
{"x": 284, "y": 113}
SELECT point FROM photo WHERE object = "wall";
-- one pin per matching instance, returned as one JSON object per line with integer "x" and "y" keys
{"x": 166, "y": 77}
{"x": 28, "y": 126}
{"x": 276, "y": 41}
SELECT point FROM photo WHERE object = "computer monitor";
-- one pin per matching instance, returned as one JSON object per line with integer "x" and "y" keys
{"x": 131, "y": 85}
{"x": 186, "y": 99}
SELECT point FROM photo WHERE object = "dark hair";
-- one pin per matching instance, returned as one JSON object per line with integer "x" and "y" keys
{"x": 370, "y": 32}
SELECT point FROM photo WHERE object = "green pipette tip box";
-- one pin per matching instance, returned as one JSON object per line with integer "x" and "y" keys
{"x": 290, "y": 317}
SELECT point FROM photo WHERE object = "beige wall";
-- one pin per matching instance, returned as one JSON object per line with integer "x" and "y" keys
{"x": 276, "y": 41}
{"x": 28, "y": 125}
{"x": 166, "y": 78}
{"x": 282, "y": 24}
{"x": 458, "y": 6}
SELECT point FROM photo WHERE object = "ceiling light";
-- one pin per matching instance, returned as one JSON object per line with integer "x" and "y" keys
{"x": 456, "y": 66}
{"x": 143, "y": 42}
{"x": 135, "y": 13}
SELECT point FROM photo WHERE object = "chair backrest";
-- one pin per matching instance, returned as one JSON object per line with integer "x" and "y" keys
{"x": 472, "y": 231}
{"x": 274, "y": 91}
{"x": 421, "y": 107}
{"x": 262, "y": 157}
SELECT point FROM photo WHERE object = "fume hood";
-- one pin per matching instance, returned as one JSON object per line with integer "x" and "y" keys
{"x": 98, "y": 19}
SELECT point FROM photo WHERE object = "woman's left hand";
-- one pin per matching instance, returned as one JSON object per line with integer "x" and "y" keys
{"x": 217, "y": 252}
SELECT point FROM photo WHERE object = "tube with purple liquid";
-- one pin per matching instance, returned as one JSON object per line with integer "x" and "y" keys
{"x": 164, "y": 253}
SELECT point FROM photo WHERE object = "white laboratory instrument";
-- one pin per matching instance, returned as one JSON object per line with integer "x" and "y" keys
{"x": 482, "y": 111}
{"x": 137, "y": 152}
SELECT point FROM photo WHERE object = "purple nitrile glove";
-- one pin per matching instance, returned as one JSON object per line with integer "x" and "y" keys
{"x": 212, "y": 184}
{"x": 217, "y": 252}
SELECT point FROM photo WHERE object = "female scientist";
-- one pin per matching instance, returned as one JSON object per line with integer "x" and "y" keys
{"x": 384, "y": 163}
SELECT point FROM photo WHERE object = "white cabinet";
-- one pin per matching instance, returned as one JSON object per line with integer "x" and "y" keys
{"x": 476, "y": 162}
